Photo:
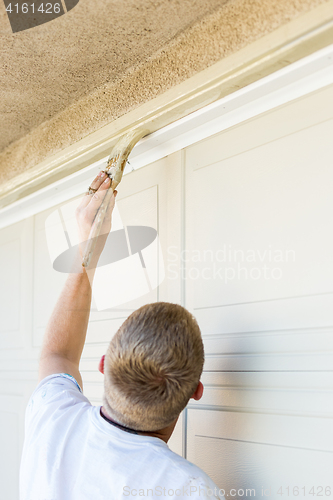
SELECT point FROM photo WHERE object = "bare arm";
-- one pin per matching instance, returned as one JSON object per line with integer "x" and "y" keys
{"x": 66, "y": 330}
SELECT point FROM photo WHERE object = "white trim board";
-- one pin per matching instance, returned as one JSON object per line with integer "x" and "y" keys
{"x": 296, "y": 80}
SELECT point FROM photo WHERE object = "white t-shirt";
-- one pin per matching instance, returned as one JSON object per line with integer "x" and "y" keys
{"x": 71, "y": 453}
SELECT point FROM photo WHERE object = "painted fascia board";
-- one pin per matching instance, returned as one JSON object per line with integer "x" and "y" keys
{"x": 297, "y": 80}
{"x": 289, "y": 43}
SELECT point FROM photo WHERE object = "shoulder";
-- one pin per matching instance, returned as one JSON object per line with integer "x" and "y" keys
{"x": 58, "y": 379}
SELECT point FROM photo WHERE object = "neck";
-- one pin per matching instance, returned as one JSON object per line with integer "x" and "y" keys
{"x": 163, "y": 434}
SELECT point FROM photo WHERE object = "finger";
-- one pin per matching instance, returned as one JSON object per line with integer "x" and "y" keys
{"x": 95, "y": 185}
{"x": 98, "y": 180}
{"x": 96, "y": 200}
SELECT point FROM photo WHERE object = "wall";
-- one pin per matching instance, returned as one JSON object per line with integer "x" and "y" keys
{"x": 262, "y": 189}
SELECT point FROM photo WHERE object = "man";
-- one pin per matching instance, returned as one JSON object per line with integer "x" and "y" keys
{"x": 76, "y": 451}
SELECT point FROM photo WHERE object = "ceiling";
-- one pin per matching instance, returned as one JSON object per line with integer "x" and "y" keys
{"x": 48, "y": 67}
{"x": 66, "y": 78}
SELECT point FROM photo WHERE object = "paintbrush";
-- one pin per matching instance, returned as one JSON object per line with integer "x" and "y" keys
{"x": 114, "y": 169}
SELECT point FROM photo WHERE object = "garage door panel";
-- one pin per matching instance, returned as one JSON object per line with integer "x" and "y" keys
{"x": 291, "y": 350}
{"x": 11, "y": 423}
{"x": 246, "y": 469}
{"x": 300, "y": 380}
{"x": 260, "y": 231}
{"x": 272, "y": 125}
{"x": 270, "y": 400}
{"x": 272, "y": 315}
{"x": 273, "y": 429}
{"x": 292, "y": 341}
{"x": 16, "y": 279}
{"x": 48, "y": 282}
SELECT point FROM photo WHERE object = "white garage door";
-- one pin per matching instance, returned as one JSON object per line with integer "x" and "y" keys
{"x": 259, "y": 278}
{"x": 244, "y": 223}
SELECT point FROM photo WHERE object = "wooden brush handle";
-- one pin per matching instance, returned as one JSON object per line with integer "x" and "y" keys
{"x": 96, "y": 227}
{"x": 115, "y": 169}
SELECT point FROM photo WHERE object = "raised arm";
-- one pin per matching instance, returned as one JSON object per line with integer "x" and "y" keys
{"x": 66, "y": 330}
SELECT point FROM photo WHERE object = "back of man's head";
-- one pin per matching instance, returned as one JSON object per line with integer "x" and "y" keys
{"x": 152, "y": 366}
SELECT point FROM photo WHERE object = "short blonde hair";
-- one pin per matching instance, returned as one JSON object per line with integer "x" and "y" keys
{"x": 152, "y": 366}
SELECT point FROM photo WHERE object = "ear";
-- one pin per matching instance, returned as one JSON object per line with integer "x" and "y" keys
{"x": 101, "y": 364}
{"x": 198, "y": 392}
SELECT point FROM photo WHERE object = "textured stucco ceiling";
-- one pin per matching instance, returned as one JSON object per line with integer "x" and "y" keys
{"x": 66, "y": 78}
{"x": 49, "y": 67}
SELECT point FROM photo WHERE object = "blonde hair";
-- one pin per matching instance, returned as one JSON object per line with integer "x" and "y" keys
{"x": 152, "y": 366}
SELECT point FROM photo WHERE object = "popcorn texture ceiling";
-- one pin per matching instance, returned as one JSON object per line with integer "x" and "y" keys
{"x": 67, "y": 78}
